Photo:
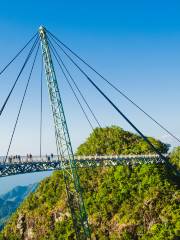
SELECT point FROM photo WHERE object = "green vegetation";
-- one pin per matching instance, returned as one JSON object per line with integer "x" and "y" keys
{"x": 175, "y": 157}
{"x": 114, "y": 140}
{"x": 122, "y": 203}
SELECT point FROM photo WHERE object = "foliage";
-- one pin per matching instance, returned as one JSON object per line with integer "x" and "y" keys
{"x": 114, "y": 140}
{"x": 175, "y": 157}
{"x": 122, "y": 203}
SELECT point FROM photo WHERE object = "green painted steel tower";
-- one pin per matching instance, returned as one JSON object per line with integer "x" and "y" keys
{"x": 64, "y": 147}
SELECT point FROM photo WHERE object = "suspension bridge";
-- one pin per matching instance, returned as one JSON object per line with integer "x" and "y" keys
{"x": 24, "y": 164}
{"x": 65, "y": 159}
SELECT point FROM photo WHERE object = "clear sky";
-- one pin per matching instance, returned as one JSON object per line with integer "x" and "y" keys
{"x": 135, "y": 44}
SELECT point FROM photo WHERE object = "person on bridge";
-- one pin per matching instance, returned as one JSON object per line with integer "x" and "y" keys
{"x": 10, "y": 159}
{"x": 19, "y": 158}
{"x": 47, "y": 157}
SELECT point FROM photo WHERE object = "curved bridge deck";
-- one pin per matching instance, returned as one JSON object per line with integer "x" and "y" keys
{"x": 22, "y": 165}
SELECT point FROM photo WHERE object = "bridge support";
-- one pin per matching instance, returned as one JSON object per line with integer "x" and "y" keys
{"x": 64, "y": 147}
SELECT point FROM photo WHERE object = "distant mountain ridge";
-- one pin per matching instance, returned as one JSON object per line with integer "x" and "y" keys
{"x": 11, "y": 200}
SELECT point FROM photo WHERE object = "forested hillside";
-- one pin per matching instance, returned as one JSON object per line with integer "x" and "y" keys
{"x": 114, "y": 140}
{"x": 11, "y": 200}
{"x": 122, "y": 203}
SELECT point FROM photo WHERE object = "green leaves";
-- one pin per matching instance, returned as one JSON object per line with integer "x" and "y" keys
{"x": 175, "y": 157}
{"x": 122, "y": 203}
{"x": 114, "y": 140}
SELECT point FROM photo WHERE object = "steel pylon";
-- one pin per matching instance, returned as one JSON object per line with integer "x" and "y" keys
{"x": 63, "y": 144}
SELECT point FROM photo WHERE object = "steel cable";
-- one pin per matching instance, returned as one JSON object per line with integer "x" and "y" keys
{"x": 40, "y": 150}
{"x": 75, "y": 95}
{"x": 22, "y": 101}
{"x": 114, "y": 87}
{"x": 75, "y": 84}
{"x": 17, "y": 54}
{"x": 124, "y": 116}
{"x": 25, "y": 62}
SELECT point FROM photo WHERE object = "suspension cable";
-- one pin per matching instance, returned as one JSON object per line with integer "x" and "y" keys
{"x": 17, "y": 54}
{"x": 75, "y": 84}
{"x": 124, "y": 116}
{"x": 25, "y": 62}
{"x": 75, "y": 95}
{"x": 114, "y": 87}
{"x": 40, "y": 149}
{"x": 22, "y": 101}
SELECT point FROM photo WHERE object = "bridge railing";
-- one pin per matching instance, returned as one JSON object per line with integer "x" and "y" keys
{"x": 53, "y": 158}
{"x": 22, "y": 159}
{"x": 28, "y": 164}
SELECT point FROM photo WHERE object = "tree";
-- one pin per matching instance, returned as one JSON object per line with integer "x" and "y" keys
{"x": 115, "y": 140}
{"x": 175, "y": 157}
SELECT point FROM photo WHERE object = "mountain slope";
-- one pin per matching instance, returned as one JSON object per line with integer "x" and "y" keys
{"x": 122, "y": 203}
{"x": 12, "y": 199}
{"x": 115, "y": 140}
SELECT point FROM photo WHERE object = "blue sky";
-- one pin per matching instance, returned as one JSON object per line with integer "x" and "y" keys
{"x": 135, "y": 44}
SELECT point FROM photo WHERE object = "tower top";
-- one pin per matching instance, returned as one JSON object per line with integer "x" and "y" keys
{"x": 42, "y": 31}
{"x": 41, "y": 28}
